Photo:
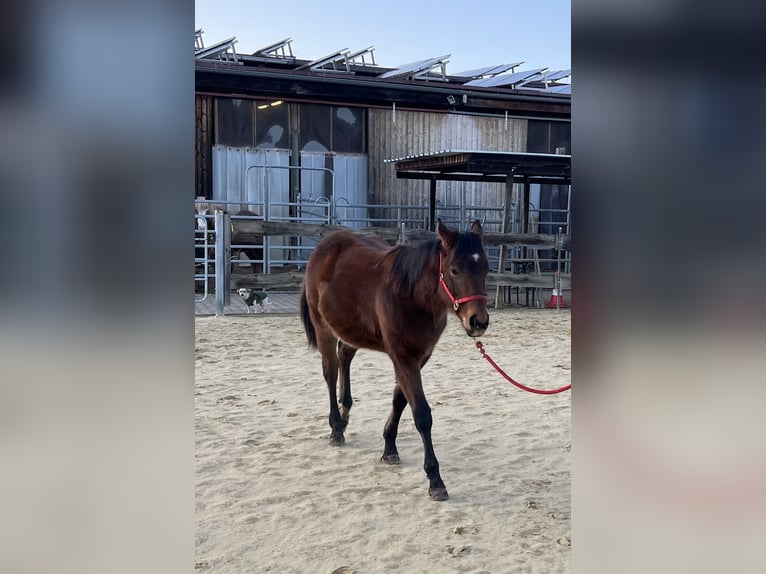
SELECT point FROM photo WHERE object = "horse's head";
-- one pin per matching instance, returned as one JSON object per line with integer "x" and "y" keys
{"x": 464, "y": 269}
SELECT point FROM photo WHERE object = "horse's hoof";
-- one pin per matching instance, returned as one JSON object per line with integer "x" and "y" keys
{"x": 391, "y": 458}
{"x": 337, "y": 439}
{"x": 438, "y": 494}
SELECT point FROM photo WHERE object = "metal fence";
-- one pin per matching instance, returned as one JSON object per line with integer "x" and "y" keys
{"x": 217, "y": 256}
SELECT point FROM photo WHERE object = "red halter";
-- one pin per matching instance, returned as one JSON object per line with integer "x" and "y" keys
{"x": 456, "y": 302}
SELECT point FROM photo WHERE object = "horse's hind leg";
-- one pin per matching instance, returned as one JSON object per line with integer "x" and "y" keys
{"x": 326, "y": 343}
{"x": 345, "y": 355}
{"x": 390, "y": 452}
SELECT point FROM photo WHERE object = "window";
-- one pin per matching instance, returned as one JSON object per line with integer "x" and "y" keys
{"x": 348, "y": 130}
{"x": 265, "y": 124}
{"x": 332, "y": 128}
{"x": 547, "y": 137}
{"x": 314, "y": 128}
{"x": 234, "y": 122}
{"x": 272, "y": 125}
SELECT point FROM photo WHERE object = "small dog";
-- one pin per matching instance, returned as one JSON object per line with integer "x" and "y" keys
{"x": 259, "y": 298}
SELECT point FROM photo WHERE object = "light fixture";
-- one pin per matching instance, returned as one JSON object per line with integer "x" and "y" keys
{"x": 271, "y": 104}
{"x": 451, "y": 100}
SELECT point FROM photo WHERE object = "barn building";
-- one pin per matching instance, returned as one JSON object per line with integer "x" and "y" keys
{"x": 343, "y": 139}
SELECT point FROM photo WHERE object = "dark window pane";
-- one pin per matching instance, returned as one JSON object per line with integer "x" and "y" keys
{"x": 314, "y": 128}
{"x": 234, "y": 122}
{"x": 538, "y": 136}
{"x": 348, "y": 130}
{"x": 271, "y": 125}
{"x": 561, "y": 137}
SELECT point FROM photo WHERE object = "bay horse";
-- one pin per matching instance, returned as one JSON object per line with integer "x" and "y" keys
{"x": 359, "y": 292}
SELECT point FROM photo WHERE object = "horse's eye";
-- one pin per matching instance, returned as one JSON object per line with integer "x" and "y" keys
{"x": 453, "y": 271}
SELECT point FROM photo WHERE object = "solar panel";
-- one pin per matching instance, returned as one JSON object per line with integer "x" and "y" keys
{"x": 504, "y": 79}
{"x": 549, "y": 76}
{"x": 219, "y": 49}
{"x": 560, "y": 89}
{"x": 334, "y": 58}
{"x": 415, "y": 68}
{"x": 277, "y": 49}
{"x": 356, "y": 56}
{"x": 559, "y": 75}
{"x": 488, "y": 71}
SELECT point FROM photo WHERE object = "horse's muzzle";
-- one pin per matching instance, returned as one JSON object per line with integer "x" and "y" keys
{"x": 476, "y": 326}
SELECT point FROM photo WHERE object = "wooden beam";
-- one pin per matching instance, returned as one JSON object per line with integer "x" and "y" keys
{"x": 251, "y": 231}
{"x": 432, "y": 206}
{"x": 294, "y": 280}
{"x": 483, "y": 178}
{"x": 506, "y": 225}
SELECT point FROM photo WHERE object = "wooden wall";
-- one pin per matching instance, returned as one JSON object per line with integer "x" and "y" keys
{"x": 203, "y": 143}
{"x": 416, "y": 133}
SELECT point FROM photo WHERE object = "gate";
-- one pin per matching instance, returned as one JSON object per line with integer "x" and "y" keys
{"x": 217, "y": 240}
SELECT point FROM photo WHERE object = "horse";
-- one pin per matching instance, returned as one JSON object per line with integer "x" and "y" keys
{"x": 359, "y": 292}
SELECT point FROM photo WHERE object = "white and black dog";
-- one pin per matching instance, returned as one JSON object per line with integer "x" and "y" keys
{"x": 258, "y": 298}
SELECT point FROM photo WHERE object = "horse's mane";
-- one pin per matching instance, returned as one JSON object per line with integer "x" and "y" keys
{"x": 409, "y": 262}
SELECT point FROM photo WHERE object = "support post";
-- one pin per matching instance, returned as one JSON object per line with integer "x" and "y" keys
{"x": 432, "y": 205}
{"x": 222, "y": 261}
{"x": 525, "y": 216}
{"x": 505, "y": 229}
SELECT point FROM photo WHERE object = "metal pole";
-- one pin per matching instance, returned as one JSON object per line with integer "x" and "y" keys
{"x": 222, "y": 256}
{"x": 558, "y": 269}
{"x": 266, "y": 238}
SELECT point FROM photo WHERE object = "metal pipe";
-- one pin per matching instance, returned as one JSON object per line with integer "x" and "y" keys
{"x": 558, "y": 269}
{"x": 202, "y": 223}
{"x": 220, "y": 262}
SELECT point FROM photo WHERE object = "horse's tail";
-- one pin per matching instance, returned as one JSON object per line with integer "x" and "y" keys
{"x": 308, "y": 326}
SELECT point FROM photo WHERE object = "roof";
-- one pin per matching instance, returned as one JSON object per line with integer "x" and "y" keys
{"x": 346, "y": 76}
{"x": 488, "y": 166}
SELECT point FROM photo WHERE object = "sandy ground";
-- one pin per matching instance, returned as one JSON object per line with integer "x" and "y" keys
{"x": 272, "y": 495}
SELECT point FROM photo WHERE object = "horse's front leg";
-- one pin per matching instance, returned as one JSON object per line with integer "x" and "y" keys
{"x": 408, "y": 377}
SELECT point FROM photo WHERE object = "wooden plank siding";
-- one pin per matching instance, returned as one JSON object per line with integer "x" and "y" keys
{"x": 418, "y": 132}
{"x": 203, "y": 143}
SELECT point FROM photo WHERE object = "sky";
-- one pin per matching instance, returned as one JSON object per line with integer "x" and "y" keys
{"x": 476, "y": 34}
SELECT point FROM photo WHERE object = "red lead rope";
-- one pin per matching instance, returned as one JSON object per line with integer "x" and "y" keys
{"x": 480, "y": 346}
{"x": 456, "y": 305}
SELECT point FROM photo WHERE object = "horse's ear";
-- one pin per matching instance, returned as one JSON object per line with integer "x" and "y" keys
{"x": 446, "y": 235}
{"x": 477, "y": 229}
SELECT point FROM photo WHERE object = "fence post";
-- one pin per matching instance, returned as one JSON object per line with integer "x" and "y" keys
{"x": 558, "y": 269}
{"x": 222, "y": 261}
{"x": 507, "y": 210}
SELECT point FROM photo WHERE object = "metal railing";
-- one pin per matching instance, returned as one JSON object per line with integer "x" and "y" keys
{"x": 202, "y": 245}
{"x": 277, "y": 253}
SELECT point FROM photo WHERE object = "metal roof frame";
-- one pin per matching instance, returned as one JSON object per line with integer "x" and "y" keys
{"x": 282, "y": 49}
{"x": 418, "y": 69}
{"x": 318, "y": 65}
